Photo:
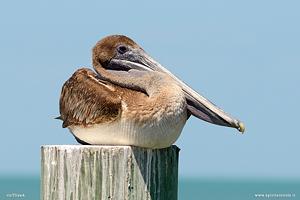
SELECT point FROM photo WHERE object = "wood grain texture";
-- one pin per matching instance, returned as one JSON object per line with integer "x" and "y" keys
{"x": 108, "y": 172}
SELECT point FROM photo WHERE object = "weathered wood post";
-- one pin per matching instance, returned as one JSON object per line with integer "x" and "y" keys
{"x": 108, "y": 172}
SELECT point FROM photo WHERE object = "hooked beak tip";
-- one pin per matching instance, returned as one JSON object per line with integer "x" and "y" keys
{"x": 241, "y": 127}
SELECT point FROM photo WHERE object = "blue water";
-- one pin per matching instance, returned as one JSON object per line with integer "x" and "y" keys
{"x": 11, "y": 187}
{"x": 207, "y": 189}
{"x": 214, "y": 189}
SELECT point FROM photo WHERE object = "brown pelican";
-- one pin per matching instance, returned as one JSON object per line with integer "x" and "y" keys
{"x": 131, "y": 100}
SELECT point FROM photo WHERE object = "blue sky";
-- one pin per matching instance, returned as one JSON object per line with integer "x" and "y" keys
{"x": 244, "y": 56}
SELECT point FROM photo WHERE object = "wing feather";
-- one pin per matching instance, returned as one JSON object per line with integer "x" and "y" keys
{"x": 86, "y": 100}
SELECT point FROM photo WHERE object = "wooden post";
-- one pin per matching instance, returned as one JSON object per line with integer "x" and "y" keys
{"x": 108, "y": 172}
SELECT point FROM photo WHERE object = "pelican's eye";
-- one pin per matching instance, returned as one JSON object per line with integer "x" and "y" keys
{"x": 122, "y": 48}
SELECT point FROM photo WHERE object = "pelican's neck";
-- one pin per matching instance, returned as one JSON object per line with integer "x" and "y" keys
{"x": 150, "y": 83}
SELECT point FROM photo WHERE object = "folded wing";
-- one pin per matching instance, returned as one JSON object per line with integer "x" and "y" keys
{"x": 86, "y": 100}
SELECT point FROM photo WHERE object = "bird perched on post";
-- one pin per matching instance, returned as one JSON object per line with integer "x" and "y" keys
{"x": 131, "y": 99}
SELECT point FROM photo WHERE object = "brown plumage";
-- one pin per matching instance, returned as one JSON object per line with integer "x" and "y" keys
{"x": 104, "y": 50}
{"x": 86, "y": 100}
{"x": 131, "y": 100}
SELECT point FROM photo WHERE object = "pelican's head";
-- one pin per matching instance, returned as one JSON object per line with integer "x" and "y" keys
{"x": 118, "y": 55}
